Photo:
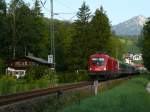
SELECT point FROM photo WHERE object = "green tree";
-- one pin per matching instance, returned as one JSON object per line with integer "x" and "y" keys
{"x": 146, "y": 44}
{"x": 78, "y": 50}
{"x": 24, "y": 31}
{"x": 2, "y": 67}
{"x": 37, "y": 9}
{"x": 31, "y": 32}
{"x": 140, "y": 41}
{"x": 16, "y": 18}
{"x": 3, "y": 29}
{"x": 41, "y": 32}
{"x": 116, "y": 48}
{"x": 100, "y": 32}
{"x": 62, "y": 43}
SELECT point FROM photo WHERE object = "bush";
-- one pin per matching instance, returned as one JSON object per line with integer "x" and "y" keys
{"x": 51, "y": 76}
{"x": 72, "y": 77}
{"x": 36, "y": 77}
{"x": 40, "y": 77}
{"x": 7, "y": 85}
{"x": 35, "y": 72}
{"x": 2, "y": 67}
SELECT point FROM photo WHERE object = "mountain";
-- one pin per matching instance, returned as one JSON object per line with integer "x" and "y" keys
{"x": 130, "y": 27}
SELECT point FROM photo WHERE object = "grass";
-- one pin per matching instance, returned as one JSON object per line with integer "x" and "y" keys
{"x": 130, "y": 96}
{"x": 55, "y": 104}
{"x": 9, "y": 85}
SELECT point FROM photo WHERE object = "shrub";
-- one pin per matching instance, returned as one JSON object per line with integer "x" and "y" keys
{"x": 35, "y": 72}
{"x": 72, "y": 77}
{"x": 7, "y": 85}
{"x": 2, "y": 67}
{"x": 40, "y": 77}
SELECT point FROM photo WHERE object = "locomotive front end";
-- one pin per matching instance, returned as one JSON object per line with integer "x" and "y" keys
{"x": 97, "y": 65}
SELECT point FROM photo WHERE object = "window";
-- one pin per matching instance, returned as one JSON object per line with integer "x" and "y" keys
{"x": 98, "y": 61}
{"x": 17, "y": 63}
{"x": 25, "y": 63}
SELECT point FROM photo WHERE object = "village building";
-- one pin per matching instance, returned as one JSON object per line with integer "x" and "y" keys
{"x": 137, "y": 57}
{"x": 17, "y": 67}
{"x": 130, "y": 58}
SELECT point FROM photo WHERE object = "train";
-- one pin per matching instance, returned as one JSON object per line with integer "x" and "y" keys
{"x": 101, "y": 65}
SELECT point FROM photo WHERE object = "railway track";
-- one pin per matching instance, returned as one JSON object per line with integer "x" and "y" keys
{"x": 14, "y": 98}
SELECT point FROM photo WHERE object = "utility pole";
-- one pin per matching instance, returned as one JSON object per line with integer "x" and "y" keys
{"x": 52, "y": 34}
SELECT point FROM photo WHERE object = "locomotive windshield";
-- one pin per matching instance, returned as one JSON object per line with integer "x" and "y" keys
{"x": 98, "y": 61}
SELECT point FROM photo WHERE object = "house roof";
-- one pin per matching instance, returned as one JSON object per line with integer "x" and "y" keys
{"x": 32, "y": 58}
{"x": 40, "y": 60}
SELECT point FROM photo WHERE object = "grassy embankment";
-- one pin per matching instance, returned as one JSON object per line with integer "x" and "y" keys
{"x": 9, "y": 84}
{"x": 130, "y": 96}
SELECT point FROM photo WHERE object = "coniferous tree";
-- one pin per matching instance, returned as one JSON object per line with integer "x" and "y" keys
{"x": 37, "y": 9}
{"x": 146, "y": 44}
{"x": 23, "y": 39}
{"x": 3, "y": 29}
{"x": 4, "y": 40}
{"x": 78, "y": 51}
{"x": 2, "y": 20}
{"x": 30, "y": 29}
{"x": 100, "y": 32}
{"x": 62, "y": 43}
{"x": 12, "y": 19}
{"x": 40, "y": 32}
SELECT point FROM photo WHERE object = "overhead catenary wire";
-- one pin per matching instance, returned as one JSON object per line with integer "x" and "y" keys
{"x": 43, "y": 3}
{"x": 65, "y": 6}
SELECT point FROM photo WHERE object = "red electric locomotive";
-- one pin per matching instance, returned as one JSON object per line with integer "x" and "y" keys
{"x": 102, "y": 65}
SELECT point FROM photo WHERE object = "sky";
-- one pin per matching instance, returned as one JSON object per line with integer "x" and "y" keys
{"x": 117, "y": 10}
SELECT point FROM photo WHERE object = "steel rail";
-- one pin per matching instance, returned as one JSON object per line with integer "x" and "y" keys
{"x": 17, "y": 97}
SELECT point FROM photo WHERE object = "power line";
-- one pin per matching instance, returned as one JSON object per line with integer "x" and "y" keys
{"x": 64, "y": 13}
{"x": 43, "y": 5}
{"x": 72, "y": 18}
{"x": 66, "y": 6}
{"x": 57, "y": 13}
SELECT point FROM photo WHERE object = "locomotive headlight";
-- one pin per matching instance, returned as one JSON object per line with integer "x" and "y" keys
{"x": 90, "y": 68}
{"x": 104, "y": 68}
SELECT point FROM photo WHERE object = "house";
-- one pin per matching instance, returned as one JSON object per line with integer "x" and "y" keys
{"x": 137, "y": 57}
{"x": 17, "y": 67}
{"x": 130, "y": 58}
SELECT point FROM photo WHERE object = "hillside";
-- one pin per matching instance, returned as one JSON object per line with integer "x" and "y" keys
{"x": 130, "y": 45}
{"x": 131, "y": 27}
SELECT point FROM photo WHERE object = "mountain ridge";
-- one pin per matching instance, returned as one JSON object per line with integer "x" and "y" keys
{"x": 130, "y": 27}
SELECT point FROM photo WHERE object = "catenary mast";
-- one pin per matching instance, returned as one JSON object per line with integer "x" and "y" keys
{"x": 52, "y": 35}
